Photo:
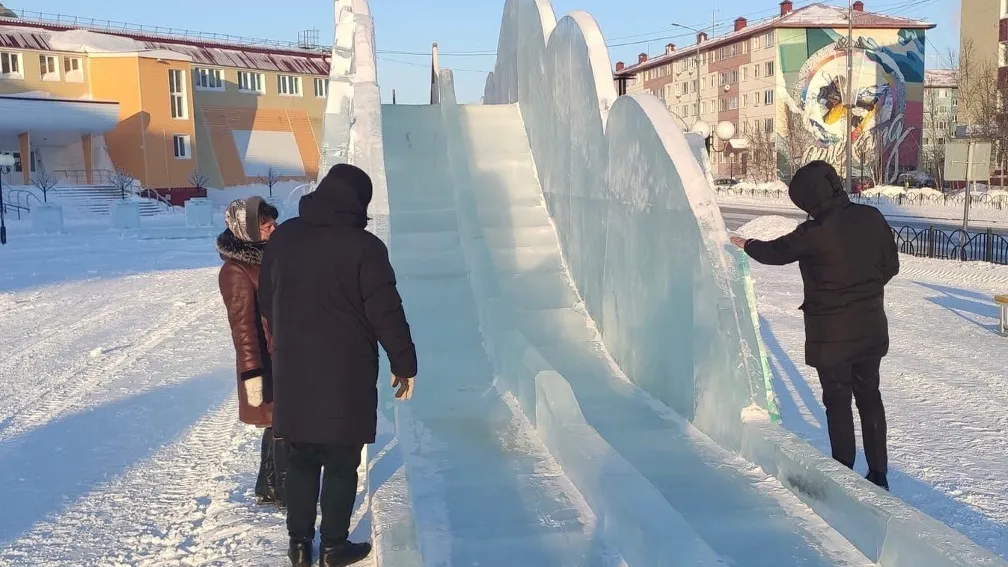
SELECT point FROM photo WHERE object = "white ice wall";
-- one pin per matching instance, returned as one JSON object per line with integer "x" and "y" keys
{"x": 636, "y": 217}
{"x": 351, "y": 129}
{"x": 647, "y": 249}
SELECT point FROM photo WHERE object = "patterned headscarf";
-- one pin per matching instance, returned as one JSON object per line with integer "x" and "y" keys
{"x": 242, "y": 218}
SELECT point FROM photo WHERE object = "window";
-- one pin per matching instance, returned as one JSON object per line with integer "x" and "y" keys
{"x": 291, "y": 86}
{"x": 768, "y": 39}
{"x": 745, "y": 47}
{"x": 733, "y": 103}
{"x": 73, "y": 70}
{"x": 10, "y": 65}
{"x": 755, "y": 71}
{"x": 722, "y": 105}
{"x": 745, "y": 100}
{"x": 768, "y": 69}
{"x": 768, "y": 97}
{"x": 49, "y": 67}
{"x": 251, "y": 82}
{"x": 182, "y": 149}
{"x": 768, "y": 125}
{"x": 208, "y": 79}
{"x": 745, "y": 73}
{"x": 177, "y": 94}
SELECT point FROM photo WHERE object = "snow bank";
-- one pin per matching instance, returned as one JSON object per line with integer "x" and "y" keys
{"x": 768, "y": 227}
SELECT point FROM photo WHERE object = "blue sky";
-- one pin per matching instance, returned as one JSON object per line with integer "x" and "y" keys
{"x": 406, "y": 28}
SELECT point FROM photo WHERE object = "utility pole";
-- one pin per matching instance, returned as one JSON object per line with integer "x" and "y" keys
{"x": 850, "y": 96}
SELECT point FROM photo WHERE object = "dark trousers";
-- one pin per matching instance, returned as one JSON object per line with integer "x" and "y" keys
{"x": 860, "y": 380}
{"x": 272, "y": 467}
{"x": 337, "y": 466}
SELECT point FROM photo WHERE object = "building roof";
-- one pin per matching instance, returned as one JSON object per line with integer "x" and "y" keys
{"x": 47, "y": 36}
{"x": 940, "y": 78}
{"x": 812, "y": 16}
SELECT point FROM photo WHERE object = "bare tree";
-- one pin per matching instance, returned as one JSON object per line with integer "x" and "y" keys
{"x": 198, "y": 179}
{"x": 122, "y": 181}
{"x": 939, "y": 127}
{"x": 270, "y": 179}
{"x": 981, "y": 99}
{"x": 798, "y": 142}
{"x": 762, "y": 155}
{"x": 44, "y": 181}
{"x": 868, "y": 155}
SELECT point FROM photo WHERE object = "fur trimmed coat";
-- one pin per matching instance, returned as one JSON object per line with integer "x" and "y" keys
{"x": 239, "y": 286}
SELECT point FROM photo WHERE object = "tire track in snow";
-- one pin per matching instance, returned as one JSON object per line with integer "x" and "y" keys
{"x": 67, "y": 390}
{"x": 160, "y": 512}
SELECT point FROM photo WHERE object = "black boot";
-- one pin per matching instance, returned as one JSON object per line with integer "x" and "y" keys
{"x": 280, "y": 451}
{"x": 265, "y": 492}
{"x": 343, "y": 554}
{"x": 878, "y": 479}
{"x": 300, "y": 553}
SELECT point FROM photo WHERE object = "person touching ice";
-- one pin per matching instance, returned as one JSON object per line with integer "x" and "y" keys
{"x": 846, "y": 254}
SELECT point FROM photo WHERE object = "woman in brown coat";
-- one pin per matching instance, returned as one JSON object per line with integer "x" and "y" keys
{"x": 250, "y": 222}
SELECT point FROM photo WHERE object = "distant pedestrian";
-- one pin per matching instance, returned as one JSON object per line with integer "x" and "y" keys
{"x": 250, "y": 222}
{"x": 329, "y": 297}
{"x": 846, "y": 254}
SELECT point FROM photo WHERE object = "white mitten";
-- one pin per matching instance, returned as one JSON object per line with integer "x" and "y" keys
{"x": 405, "y": 386}
{"x": 253, "y": 391}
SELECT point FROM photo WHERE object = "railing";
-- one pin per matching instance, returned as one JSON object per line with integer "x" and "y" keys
{"x": 953, "y": 244}
{"x": 152, "y": 194}
{"x": 20, "y": 201}
{"x": 112, "y": 26}
{"x": 998, "y": 202}
{"x": 79, "y": 176}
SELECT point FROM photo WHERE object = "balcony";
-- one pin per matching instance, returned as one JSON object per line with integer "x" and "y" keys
{"x": 1002, "y": 77}
{"x": 1003, "y": 30}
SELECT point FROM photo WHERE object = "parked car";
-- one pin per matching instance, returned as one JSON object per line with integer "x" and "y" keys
{"x": 859, "y": 184}
{"x": 726, "y": 182}
{"x": 915, "y": 180}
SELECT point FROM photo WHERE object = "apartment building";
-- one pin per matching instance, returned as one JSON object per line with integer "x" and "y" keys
{"x": 983, "y": 47}
{"x": 174, "y": 112}
{"x": 941, "y": 102}
{"x": 782, "y": 83}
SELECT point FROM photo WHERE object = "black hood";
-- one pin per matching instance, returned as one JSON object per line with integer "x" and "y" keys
{"x": 341, "y": 198}
{"x": 817, "y": 189}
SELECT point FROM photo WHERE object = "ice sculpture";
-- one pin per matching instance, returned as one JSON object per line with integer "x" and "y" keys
{"x": 351, "y": 130}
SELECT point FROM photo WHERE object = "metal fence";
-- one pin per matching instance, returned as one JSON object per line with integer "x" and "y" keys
{"x": 987, "y": 200}
{"x": 952, "y": 244}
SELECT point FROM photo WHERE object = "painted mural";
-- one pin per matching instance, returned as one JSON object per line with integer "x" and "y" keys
{"x": 886, "y": 111}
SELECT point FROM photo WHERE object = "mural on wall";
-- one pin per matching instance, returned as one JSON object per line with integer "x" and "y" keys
{"x": 886, "y": 110}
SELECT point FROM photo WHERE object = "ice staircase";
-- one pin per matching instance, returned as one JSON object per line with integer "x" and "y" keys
{"x": 97, "y": 200}
{"x": 485, "y": 478}
{"x": 496, "y": 321}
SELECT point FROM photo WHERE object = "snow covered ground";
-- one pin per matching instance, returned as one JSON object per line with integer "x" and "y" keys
{"x": 944, "y": 384}
{"x": 119, "y": 439}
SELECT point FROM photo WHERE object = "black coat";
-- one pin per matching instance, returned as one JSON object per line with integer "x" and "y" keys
{"x": 846, "y": 255}
{"x": 328, "y": 294}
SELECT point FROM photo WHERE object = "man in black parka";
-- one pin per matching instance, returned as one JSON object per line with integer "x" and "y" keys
{"x": 328, "y": 294}
{"x": 847, "y": 254}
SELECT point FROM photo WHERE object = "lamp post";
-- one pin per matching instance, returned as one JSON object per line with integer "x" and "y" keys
{"x": 6, "y": 164}
{"x": 723, "y": 131}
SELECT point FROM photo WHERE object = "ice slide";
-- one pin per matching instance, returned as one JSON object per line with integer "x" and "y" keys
{"x": 592, "y": 386}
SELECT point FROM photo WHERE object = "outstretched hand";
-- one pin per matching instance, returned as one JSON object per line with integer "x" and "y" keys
{"x": 405, "y": 386}
{"x": 738, "y": 241}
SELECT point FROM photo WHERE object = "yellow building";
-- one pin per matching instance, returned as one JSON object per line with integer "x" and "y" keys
{"x": 172, "y": 112}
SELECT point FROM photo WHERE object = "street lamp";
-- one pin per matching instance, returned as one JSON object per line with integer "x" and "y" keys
{"x": 723, "y": 131}
{"x": 6, "y": 164}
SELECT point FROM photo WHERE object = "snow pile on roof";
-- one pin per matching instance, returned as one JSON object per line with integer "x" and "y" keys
{"x": 768, "y": 227}
{"x": 940, "y": 78}
{"x": 92, "y": 42}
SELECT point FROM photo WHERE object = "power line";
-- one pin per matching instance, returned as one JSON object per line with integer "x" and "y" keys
{"x": 427, "y": 65}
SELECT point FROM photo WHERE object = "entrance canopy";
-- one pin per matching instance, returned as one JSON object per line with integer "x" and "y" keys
{"x": 39, "y": 114}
